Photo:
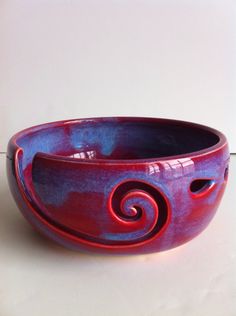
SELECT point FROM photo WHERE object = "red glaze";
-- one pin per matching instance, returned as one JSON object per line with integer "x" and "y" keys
{"x": 118, "y": 185}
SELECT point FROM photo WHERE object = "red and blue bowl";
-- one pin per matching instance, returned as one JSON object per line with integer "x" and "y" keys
{"x": 118, "y": 185}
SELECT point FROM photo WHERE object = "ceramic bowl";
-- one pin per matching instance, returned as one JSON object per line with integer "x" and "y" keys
{"x": 119, "y": 184}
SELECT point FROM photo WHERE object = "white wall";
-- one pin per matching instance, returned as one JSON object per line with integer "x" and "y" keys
{"x": 64, "y": 59}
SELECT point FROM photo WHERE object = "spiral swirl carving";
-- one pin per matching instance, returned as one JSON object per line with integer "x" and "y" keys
{"x": 97, "y": 212}
{"x": 142, "y": 207}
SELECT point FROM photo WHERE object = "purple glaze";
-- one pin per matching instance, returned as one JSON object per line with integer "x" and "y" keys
{"x": 120, "y": 185}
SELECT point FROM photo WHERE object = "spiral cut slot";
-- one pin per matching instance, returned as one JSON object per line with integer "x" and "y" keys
{"x": 132, "y": 212}
{"x": 142, "y": 206}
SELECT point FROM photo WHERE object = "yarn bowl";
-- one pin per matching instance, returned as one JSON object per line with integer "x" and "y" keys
{"x": 121, "y": 185}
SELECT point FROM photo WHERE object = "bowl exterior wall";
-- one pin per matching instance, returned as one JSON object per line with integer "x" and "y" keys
{"x": 118, "y": 207}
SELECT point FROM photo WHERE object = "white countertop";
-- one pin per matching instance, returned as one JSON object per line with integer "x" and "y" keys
{"x": 40, "y": 278}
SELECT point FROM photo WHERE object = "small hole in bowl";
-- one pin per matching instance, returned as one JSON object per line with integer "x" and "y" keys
{"x": 226, "y": 173}
{"x": 200, "y": 185}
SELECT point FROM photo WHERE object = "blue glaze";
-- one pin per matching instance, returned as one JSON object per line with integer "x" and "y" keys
{"x": 87, "y": 137}
{"x": 58, "y": 182}
{"x": 46, "y": 141}
{"x": 62, "y": 183}
{"x": 138, "y": 140}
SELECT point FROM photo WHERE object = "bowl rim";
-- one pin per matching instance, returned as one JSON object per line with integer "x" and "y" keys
{"x": 222, "y": 142}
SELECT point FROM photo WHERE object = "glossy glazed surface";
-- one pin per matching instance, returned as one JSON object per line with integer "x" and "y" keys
{"x": 121, "y": 185}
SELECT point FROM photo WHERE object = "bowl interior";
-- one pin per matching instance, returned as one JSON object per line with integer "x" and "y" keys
{"x": 117, "y": 139}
